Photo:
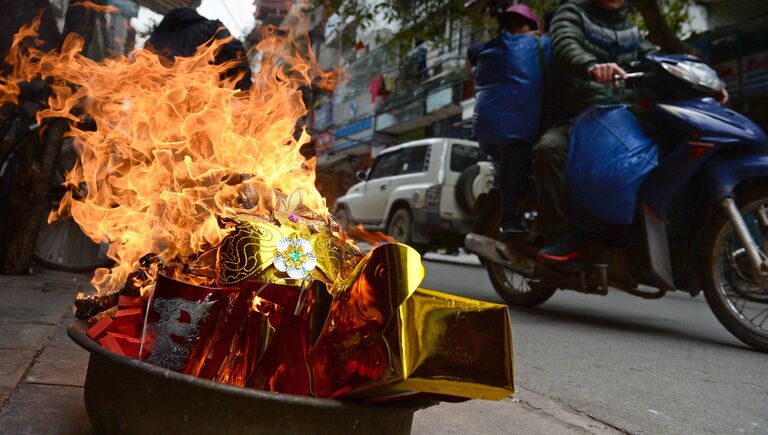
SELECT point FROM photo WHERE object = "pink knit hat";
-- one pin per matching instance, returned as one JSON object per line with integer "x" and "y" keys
{"x": 524, "y": 11}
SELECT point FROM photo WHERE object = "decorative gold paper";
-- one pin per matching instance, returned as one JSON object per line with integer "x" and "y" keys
{"x": 384, "y": 336}
{"x": 452, "y": 345}
{"x": 248, "y": 252}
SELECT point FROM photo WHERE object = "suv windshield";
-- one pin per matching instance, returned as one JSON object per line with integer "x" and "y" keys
{"x": 463, "y": 156}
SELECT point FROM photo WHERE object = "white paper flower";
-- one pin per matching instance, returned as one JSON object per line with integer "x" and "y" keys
{"x": 294, "y": 256}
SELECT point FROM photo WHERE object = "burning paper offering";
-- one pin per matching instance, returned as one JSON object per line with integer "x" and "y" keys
{"x": 228, "y": 265}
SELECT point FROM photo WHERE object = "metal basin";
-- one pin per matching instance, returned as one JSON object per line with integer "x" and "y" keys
{"x": 127, "y": 396}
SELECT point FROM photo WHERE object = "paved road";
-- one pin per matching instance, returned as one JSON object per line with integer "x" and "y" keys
{"x": 663, "y": 366}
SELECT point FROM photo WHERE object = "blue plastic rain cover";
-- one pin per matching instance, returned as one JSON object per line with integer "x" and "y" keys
{"x": 609, "y": 157}
{"x": 508, "y": 83}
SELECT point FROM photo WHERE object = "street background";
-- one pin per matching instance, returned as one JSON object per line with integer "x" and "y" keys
{"x": 584, "y": 363}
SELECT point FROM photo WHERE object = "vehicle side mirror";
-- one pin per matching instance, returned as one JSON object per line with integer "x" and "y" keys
{"x": 361, "y": 175}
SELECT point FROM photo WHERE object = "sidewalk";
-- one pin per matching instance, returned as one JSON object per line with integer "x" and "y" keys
{"x": 42, "y": 373}
{"x": 41, "y": 370}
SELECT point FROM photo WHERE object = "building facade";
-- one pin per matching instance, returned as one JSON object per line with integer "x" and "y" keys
{"x": 736, "y": 44}
{"x": 385, "y": 99}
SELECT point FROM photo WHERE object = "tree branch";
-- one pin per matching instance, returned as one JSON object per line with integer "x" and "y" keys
{"x": 659, "y": 31}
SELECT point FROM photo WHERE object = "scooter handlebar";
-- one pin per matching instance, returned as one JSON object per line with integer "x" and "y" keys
{"x": 628, "y": 76}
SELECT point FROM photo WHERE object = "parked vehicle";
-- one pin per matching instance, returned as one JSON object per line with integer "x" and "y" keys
{"x": 701, "y": 221}
{"x": 421, "y": 193}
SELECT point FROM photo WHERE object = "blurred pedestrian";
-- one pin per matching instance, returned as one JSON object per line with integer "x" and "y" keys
{"x": 510, "y": 80}
{"x": 182, "y": 30}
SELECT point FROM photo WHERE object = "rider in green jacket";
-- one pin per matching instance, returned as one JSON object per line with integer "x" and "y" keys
{"x": 592, "y": 41}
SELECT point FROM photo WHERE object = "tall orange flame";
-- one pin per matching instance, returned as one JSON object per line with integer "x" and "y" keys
{"x": 176, "y": 148}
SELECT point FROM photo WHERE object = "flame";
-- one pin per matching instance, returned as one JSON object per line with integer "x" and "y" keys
{"x": 96, "y": 7}
{"x": 258, "y": 304}
{"x": 176, "y": 150}
{"x": 373, "y": 237}
{"x": 9, "y": 86}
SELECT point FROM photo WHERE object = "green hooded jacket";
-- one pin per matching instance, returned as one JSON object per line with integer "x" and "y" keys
{"x": 584, "y": 35}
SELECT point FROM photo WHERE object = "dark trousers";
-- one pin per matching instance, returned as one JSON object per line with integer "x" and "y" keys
{"x": 550, "y": 154}
{"x": 514, "y": 161}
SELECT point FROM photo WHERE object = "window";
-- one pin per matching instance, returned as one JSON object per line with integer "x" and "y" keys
{"x": 463, "y": 156}
{"x": 413, "y": 160}
{"x": 725, "y": 48}
{"x": 385, "y": 165}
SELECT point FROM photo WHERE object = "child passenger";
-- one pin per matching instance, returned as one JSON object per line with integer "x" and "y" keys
{"x": 510, "y": 87}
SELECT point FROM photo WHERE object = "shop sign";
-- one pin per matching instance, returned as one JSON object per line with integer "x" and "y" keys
{"x": 354, "y": 128}
{"x": 342, "y": 145}
{"x": 755, "y": 73}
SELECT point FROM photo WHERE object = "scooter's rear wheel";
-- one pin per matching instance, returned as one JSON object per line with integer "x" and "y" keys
{"x": 516, "y": 289}
{"x": 738, "y": 298}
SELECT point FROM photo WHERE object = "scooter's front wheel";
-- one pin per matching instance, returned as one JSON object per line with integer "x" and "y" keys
{"x": 735, "y": 294}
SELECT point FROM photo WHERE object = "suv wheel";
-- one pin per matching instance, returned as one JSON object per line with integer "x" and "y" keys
{"x": 343, "y": 219}
{"x": 400, "y": 226}
{"x": 467, "y": 189}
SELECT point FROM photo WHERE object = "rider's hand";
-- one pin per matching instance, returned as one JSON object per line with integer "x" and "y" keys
{"x": 603, "y": 72}
{"x": 722, "y": 97}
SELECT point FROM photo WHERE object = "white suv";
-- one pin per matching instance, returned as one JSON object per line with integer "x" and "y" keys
{"x": 421, "y": 193}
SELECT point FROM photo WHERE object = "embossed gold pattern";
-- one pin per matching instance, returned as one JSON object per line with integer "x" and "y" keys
{"x": 248, "y": 252}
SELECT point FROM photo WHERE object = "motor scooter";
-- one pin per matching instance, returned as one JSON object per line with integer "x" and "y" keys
{"x": 701, "y": 221}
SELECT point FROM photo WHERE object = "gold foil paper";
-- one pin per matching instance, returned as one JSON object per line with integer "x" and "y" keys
{"x": 351, "y": 351}
{"x": 385, "y": 336}
{"x": 455, "y": 346}
{"x": 248, "y": 252}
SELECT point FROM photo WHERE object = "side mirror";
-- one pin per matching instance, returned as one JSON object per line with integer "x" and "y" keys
{"x": 361, "y": 175}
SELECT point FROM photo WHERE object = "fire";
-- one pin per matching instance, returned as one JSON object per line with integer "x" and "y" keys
{"x": 261, "y": 305}
{"x": 373, "y": 237}
{"x": 96, "y": 7}
{"x": 257, "y": 303}
{"x": 176, "y": 150}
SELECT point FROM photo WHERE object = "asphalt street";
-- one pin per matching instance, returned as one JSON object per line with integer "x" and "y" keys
{"x": 641, "y": 366}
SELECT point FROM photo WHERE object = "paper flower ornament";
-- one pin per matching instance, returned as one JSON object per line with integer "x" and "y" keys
{"x": 294, "y": 256}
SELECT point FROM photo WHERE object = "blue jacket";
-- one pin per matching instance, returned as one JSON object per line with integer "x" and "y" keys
{"x": 509, "y": 84}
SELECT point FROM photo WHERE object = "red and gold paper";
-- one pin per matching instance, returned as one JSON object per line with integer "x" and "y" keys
{"x": 385, "y": 336}
{"x": 366, "y": 331}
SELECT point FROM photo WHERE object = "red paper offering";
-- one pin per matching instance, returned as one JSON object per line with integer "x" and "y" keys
{"x": 177, "y": 313}
{"x": 100, "y": 328}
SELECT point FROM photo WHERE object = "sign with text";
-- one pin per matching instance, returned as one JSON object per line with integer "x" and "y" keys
{"x": 755, "y": 73}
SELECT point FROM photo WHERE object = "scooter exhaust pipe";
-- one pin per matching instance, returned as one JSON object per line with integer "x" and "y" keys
{"x": 759, "y": 263}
